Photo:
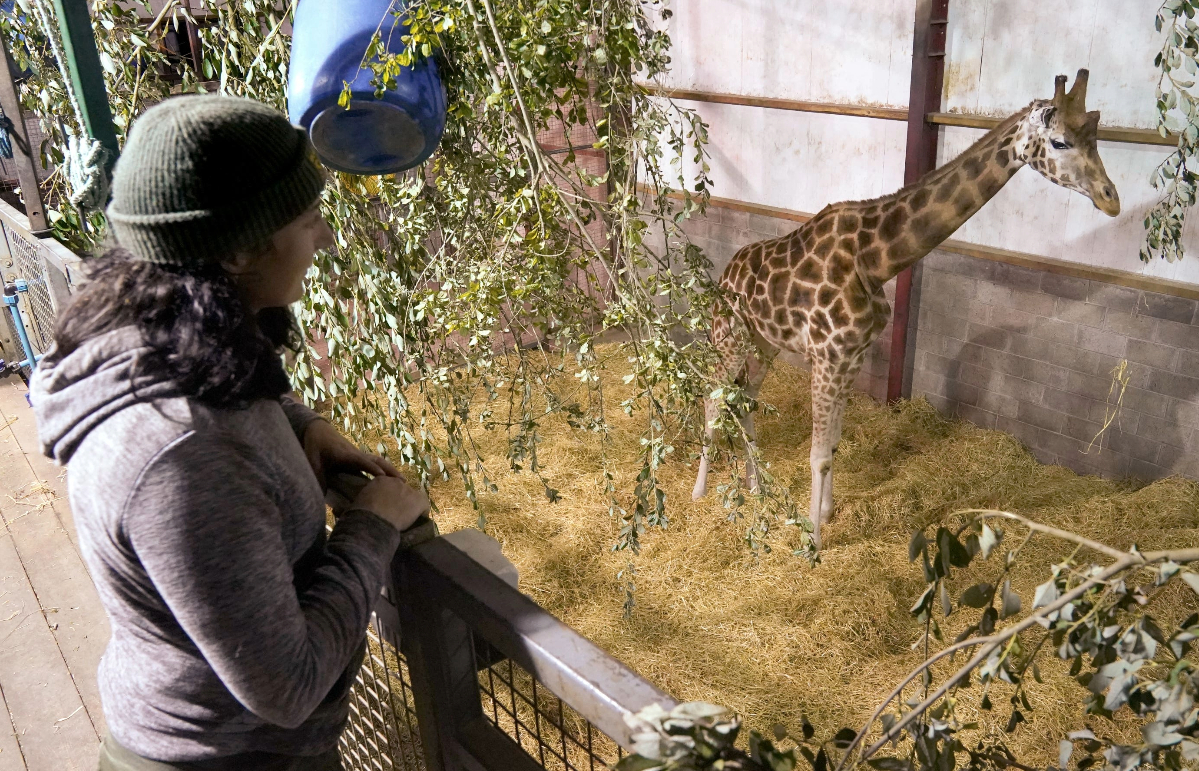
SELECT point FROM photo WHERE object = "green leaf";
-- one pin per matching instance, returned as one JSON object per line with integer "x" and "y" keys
{"x": 844, "y": 737}
{"x": 1009, "y": 600}
{"x": 915, "y": 546}
{"x": 1064, "y": 750}
{"x": 978, "y": 596}
{"x": 987, "y": 540}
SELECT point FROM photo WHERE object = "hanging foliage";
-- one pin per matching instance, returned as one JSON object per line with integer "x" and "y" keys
{"x": 1177, "y": 113}
{"x": 471, "y": 294}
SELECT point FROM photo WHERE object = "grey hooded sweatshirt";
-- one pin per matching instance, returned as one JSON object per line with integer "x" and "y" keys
{"x": 236, "y": 624}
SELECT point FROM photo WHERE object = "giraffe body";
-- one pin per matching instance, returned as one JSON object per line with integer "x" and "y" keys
{"x": 817, "y": 291}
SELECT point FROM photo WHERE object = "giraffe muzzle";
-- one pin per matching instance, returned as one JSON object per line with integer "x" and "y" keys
{"x": 1107, "y": 200}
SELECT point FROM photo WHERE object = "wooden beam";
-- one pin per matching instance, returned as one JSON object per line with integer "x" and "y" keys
{"x": 1107, "y": 133}
{"x": 863, "y": 111}
{"x": 1123, "y": 134}
{"x": 25, "y": 156}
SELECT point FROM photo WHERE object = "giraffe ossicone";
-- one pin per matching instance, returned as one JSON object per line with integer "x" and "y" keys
{"x": 818, "y": 290}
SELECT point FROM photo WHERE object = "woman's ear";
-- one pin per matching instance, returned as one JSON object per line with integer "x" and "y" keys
{"x": 238, "y": 263}
{"x": 243, "y": 261}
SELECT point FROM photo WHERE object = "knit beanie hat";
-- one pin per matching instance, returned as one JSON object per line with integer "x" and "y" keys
{"x": 204, "y": 176}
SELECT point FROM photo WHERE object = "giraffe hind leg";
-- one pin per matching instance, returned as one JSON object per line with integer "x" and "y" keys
{"x": 743, "y": 359}
{"x": 757, "y": 365}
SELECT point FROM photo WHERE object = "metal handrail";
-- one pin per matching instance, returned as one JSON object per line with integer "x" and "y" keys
{"x": 441, "y": 604}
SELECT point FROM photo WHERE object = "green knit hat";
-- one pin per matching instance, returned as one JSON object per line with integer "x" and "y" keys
{"x": 204, "y": 176}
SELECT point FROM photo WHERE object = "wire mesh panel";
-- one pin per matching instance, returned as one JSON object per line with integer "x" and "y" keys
{"x": 549, "y": 731}
{"x": 39, "y": 308}
{"x": 382, "y": 733}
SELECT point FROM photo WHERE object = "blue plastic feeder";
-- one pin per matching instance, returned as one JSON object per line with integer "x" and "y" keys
{"x": 374, "y": 136}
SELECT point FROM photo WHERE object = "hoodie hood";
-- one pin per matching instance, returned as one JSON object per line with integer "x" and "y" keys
{"x": 74, "y": 395}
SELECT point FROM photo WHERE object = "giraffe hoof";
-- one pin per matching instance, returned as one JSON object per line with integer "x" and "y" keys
{"x": 698, "y": 493}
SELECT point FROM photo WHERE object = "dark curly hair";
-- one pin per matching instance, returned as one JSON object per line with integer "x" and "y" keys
{"x": 202, "y": 336}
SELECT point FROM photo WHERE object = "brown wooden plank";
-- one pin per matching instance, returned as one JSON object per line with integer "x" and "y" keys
{"x": 1124, "y": 134}
{"x": 16, "y": 413}
{"x": 10, "y": 751}
{"x": 48, "y": 715}
{"x": 1135, "y": 136}
{"x": 34, "y": 516}
{"x": 795, "y": 105}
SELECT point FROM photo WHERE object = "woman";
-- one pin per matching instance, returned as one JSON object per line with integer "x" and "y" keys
{"x": 237, "y": 626}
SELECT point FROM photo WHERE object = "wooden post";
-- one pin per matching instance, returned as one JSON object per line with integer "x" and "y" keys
{"x": 928, "y": 79}
{"x": 87, "y": 77}
{"x": 24, "y": 153}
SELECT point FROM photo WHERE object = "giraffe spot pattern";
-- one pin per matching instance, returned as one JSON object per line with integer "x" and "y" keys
{"x": 963, "y": 203}
{"x": 809, "y": 271}
{"x": 838, "y": 270}
{"x": 800, "y": 296}
{"x": 920, "y": 199}
{"x": 838, "y": 315}
{"x": 892, "y": 223}
{"x": 778, "y": 287}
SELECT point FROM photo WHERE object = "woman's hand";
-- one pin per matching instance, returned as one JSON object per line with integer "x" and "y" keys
{"x": 329, "y": 451}
{"x": 391, "y": 499}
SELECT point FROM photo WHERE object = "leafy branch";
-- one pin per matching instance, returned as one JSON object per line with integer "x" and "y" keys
{"x": 1092, "y": 615}
{"x": 1177, "y": 113}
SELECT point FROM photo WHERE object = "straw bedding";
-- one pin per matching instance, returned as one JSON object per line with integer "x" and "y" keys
{"x": 771, "y": 636}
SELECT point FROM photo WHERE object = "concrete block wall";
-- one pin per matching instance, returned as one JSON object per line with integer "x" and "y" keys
{"x": 1032, "y": 353}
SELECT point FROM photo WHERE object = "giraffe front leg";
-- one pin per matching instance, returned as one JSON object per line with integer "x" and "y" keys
{"x": 828, "y": 408}
{"x": 701, "y": 479}
{"x": 751, "y": 447}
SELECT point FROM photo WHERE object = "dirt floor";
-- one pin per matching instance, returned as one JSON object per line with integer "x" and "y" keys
{"x": 773, "y": 637}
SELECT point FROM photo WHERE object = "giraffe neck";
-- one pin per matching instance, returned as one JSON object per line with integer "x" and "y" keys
{"x": 918, "y": 218}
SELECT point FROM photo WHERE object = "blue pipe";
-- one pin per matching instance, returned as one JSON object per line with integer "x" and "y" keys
{"x": 10, "y": 299}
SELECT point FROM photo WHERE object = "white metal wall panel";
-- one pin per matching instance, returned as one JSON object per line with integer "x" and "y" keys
{"x": 842, "y": 51}
{"x": 1004, "y": 53}
{"x": 1001, "y": 55}
{"x": 855, "y": 51}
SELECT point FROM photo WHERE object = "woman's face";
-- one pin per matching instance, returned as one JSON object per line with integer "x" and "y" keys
{"x": 274, "y": 277}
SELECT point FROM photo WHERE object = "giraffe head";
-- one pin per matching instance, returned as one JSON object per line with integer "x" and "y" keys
{"x": 1061, "y": 144}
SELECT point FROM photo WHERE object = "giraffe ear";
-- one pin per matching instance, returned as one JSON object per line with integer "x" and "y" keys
{"x": 1090, "y": 128}
{"x": 1047, "y": 115}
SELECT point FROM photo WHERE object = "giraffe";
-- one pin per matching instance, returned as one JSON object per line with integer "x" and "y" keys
{"x": 818, "y": 291}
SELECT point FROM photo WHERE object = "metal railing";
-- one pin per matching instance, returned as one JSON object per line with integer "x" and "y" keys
{"x": 465, "y": 673}
{"x": 51, "y": 271}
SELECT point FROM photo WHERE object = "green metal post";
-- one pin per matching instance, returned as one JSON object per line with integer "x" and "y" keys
{"x": 83, "y": 61}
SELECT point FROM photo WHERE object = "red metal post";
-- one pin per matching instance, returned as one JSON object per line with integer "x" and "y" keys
{"x": 928, "y": 78}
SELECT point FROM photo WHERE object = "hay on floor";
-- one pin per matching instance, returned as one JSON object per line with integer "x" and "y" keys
{"x": 772, "y": 637}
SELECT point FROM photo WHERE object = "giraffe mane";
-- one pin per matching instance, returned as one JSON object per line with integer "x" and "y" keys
{"x": 936, "y": 174}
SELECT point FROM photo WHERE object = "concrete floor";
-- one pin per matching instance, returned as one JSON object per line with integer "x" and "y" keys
{"x": 52, "y": 626}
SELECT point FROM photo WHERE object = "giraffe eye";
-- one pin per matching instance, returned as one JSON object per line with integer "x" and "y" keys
{"x": 1059, "y": 144}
